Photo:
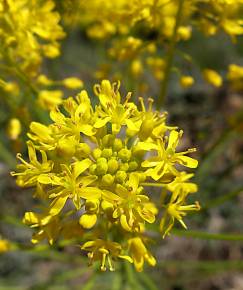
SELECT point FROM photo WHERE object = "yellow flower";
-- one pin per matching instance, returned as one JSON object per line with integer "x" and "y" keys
{"x": 132, "y": 208}
{"x": 70, "y": 185}
{"x": 14, "y": 128}
{"x": 176, "y": 211}
{"x": 72, "y": 83}
{"x": 139, "y": 253}
{"x": 235, "y": 76}
{"x": 4, "y": 246}
{"x": 167, "y": 157}
{"x": 186, "y": 81}
{"x": 47, "y": 225}
{"x": 50, "y": 99}
{"x": 104, "y": 251}
{"x": 111, "y": 109}
{"x": 212, "y": 77}
{"x": 29, "y": 172}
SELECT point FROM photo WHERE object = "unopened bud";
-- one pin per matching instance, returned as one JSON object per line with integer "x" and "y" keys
{"x": 112, "y": 166}
{"x": 121, "y": 176}
{"x": 107, "y": 179}
{"x": 125, "y": 154}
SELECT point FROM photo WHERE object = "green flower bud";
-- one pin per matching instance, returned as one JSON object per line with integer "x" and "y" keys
{"x": 117, "y": 145}
{"x": 133, "y": 165}
{"x": 96, "y": 153}
{"x": 101, "y": 160}
{"x": 112, "y": 165}
{"x": 107, "y": 153}
{"x": 108, "y": 140}
{"x": 125, "y": 154}
{"x": 121, "y": 176}
{"x": 107, "y": 180}
{"x": 101, "y": 168}
{"x": 124, "y": 166}
{"x": 83, "y": 150}
{"x": 92, "y": 169}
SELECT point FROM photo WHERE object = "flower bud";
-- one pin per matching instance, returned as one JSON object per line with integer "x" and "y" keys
{"x": 92, "y": 169}
{"x": 125, "y": 154}
{"x": 117, "y": 145}
{"x": 121, "y": 176}
{"x": 101, "y": 167}
{"x": 87, "y": 221}
{"x": 107, "y": 153}
{"x": 96, "y": 153}
{"x": 124, "y": 166}
{"x": 107, "y": 180}
{"x": 108, "y": 140}
{"x": 133, "y": 165}
{"x": 112, "y": 166}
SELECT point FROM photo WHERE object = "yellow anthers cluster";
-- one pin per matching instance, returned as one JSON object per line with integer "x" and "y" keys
{"x": 29, "y": 30}
{"x": 95, "y": 167}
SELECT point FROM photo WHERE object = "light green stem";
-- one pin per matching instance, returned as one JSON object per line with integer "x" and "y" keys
{"x": 207, "y": 236}
{"x": 222, "y": 199}
{"x": 170, "y": 56}
{"x": 153, "y": 184}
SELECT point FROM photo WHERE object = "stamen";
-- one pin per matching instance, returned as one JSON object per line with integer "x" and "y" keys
{"x": 150, "y": 104}
{"x": 142, "y": 104}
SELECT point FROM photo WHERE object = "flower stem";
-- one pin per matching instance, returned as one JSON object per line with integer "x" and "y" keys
{"x": 153, "y": 184}
{"x": 207, "y": 236}
{"x": 170, "y": 56}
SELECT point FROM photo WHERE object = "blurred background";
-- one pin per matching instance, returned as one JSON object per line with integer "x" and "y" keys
{"x": 212, "y": 120}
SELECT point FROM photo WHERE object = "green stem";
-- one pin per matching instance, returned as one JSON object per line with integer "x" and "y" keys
{"x": 207, "y": 236}
{"x": 130, "y": 276}
{"x": 222, "y": 199}
{"x": 170, "y": 55}
{"x": 147, "y": 281}
{"x": 153, "y": 184}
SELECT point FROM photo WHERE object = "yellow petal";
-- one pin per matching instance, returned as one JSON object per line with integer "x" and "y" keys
{"x": 57, "y": 205}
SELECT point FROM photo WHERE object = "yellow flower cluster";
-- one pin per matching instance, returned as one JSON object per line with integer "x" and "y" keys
{"x": 29, "y": 30}
{"x": 95, "y": 168}
{"x": 141, "y": 31}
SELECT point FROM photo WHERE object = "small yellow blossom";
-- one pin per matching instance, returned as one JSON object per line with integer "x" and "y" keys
{"x": 72, "y": 83}
{"x": 14, "y": 128}
{"x": 50, "y": 99}
{"x": 212, "y": 77}
{"x": 4, "y": 246}
{"x": 104, "y": 251}
{"x": 235, "y": 76}
{"x": 186, "y": 81}
{"x": 139, "y": 253}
